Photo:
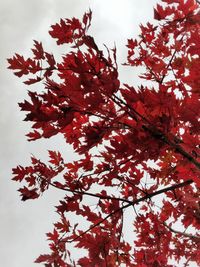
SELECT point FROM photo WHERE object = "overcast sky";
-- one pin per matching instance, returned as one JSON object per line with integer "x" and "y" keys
{"x": 23, "y": 224}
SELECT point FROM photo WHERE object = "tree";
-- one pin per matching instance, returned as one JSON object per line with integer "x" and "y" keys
{"x": 138, "y": 147}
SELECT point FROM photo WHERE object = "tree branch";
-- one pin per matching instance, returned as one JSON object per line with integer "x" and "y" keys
{"x": 87, "y": 193}
{"x": 100, "y": 222}
{"x": 181, "y": 233}
{"x": 147, "y": 195}
{"x": 137, "y": 201}
{"x": 161, "y": 136}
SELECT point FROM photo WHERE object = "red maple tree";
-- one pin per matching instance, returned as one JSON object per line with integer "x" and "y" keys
{"x": 139, "y": 147}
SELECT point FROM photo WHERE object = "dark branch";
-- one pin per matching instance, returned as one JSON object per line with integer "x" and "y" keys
{"x": 181, "y": 233}
{"x": 137, "y": 201}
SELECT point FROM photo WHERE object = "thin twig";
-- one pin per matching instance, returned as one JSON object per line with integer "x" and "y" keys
{"x": 181, "y": 233}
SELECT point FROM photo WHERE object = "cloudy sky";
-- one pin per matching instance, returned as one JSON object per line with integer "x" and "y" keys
{"x": 23, "y": 224}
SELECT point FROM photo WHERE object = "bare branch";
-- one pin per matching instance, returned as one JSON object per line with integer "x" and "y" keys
{"x": 181, "y": 233}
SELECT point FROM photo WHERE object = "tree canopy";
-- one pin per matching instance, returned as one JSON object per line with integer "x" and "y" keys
{"x": 138, "y": 146}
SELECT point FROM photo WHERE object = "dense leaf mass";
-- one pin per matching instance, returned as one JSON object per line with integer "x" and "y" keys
{"x": 139, "y": 146}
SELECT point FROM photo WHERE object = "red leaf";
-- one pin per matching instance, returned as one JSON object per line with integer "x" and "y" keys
{"x": 157, "y": 15}
{"x": 53, "y": 236}
{"x": 62, "y": 227}
{"x": 32, "y": 81}
{"x": 44, "y": 258}
{"x": 55, "y": 158}
{"x": 84, "y": 262}
{"x": 87, "y": 18}
{"x": 38, "y": 51}
{"x": 50, "y": 59}
{"x": 19, "y": 64}
{"x": 31, "y": 180}
{"x": 28, "y": 193}
{"x": 23, "y": 67}
{"x": 33, "y": 135}
{"x": 89, "y": 41}
{"x": 19, "y": 173}
{"x": 64, "y": 32}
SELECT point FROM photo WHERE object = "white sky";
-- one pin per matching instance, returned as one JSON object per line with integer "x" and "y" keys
{"x": 23, "y": 224}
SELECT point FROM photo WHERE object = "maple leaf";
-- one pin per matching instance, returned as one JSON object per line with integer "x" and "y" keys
{"x": 55, "y": 158}
{"x": 33, "y": 135}
{"x": 157, "y": 15}
{"x": 19, "y": 64}
{"x": 44, "y": 258}
{"x": 38, "y": 51}
{"x": 19, "y": 173}
{"x": 64, "y": 31}
{"x": 28, "y": 193}
{"x": 23, "y": 67}
{"x": 62, "y": 226}
{"x": 53, "y": 236}
{"x": 33, "y": 80}
{"x": 31, "y": 180}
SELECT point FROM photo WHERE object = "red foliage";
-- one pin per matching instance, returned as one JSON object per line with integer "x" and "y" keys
{"x": 117, "y": 129}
